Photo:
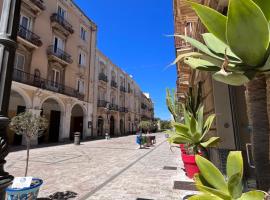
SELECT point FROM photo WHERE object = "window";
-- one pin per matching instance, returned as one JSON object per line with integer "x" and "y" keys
{"x": 55, "y": 78}
{"x": 19, "y": 61}
{"x": 61, "y": 12}
{"x": 59, "y": 44}
{"x": 83, "y": 33}
{"x": 82, "y": 59}
{"x": 80, "y": 86}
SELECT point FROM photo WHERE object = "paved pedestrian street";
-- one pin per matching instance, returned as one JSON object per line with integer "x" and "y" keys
{"x": 104, "y": 170}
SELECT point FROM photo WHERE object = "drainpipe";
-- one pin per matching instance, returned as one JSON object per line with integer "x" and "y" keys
{"x": 8, "y": 36}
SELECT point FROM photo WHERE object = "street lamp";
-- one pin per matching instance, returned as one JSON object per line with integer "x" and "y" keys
{"x": 9, "y": 24}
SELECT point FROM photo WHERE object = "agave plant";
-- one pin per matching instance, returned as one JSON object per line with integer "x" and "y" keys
{"x": 193, "y": 99}
{"x": 214, "y": 186}
{"x": 174, "y": 106}
{"x": 236, "y": 52}
{"x": 193, "y": 132}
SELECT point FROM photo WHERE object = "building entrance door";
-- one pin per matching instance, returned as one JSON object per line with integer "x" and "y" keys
{"x": 54, "y": 126}
{"x": 112, "y": 126}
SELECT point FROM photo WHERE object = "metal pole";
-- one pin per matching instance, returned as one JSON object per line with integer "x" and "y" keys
{"x": 8, "y": 34}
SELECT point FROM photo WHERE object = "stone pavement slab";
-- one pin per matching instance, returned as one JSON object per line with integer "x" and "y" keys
{"x": 104, "y": 169}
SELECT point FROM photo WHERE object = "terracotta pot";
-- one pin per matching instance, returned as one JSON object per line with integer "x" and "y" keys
{"x": 190, "y": 165}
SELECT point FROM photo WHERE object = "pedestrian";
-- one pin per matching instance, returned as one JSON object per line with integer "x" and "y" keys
{"x": 107, "y": 136}
{"x": 139, "y": 138}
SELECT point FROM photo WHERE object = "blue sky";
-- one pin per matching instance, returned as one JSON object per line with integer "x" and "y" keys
{"x": 133, "y": 35}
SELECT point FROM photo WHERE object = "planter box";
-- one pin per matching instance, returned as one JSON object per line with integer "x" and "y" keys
{"x": 190, "y": 165}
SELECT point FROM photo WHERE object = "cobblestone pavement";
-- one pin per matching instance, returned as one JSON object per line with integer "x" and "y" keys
{"x": 105, "y": 170}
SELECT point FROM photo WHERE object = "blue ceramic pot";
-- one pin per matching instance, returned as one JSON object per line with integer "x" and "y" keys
{"x": 29, "y": 193}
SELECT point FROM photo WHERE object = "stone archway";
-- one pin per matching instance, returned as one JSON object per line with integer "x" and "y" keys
{"x": 52, "y": 109}
{"x": 112, "y": 126}
{"x": 77, "y": 121}
{"x": 100, "y": 126}
{"x": 17, "y": 105}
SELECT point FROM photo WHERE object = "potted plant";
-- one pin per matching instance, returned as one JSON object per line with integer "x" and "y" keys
{"x": 214, "y": 186}
{"x": 193, "y": 133}
{"x": 30, "y": 126}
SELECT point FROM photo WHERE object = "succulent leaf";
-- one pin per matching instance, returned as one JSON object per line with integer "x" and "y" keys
{"x": 265, "y": 7}
{"x": 230, "y": 78}
{"x": 211, "y": 142}
{"x": 253, "y": 195}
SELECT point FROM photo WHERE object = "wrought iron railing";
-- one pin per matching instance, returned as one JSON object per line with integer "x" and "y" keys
{"x": 59, "y": 53}
{"x": 113, "y": 107}
{"x": 62, "y": 21}
{"x": 123, "y": 109}
{"x": 103, "y": 77}
{"x": 39, "y": 3}
{"x": 114, "y": 84}
{"x": 102, "y": 103}
{"x": 36, "y": 81}
{"x": 29, "y": 36}
{"x": 122, "y": 89}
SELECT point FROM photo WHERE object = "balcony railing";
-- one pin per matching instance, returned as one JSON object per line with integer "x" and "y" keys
{"x": 113, "y": 107}
{"x": 62, "y": 21}
{"x": 102, "y": 103}
{"x": 59, "y": 53}
{"x": 33, "y": 80}
{"x": 122, "y": 89}
{"x": 103, "y": 77}
{"x": 29, "y": 36}
{"x": 114, "y": 84}
{"x": 123, "y": 109}
{"x": 39, "y": 4}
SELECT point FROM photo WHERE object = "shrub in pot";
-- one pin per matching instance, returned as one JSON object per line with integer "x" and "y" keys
{"x": 214, "y": 186}
{"x": 30, "y": 126}
{"x": 194, "y": 133}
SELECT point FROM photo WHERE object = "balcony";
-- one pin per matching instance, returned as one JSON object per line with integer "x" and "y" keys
{"x": 113, "y": 107}
{"x": 122, "y": 89}
{"x": 123, "y": 109}
{"x": 59, "y": 55}
{"x": 61, "y": 24}
{"x": 37, "y": 6}
{"x": 30, "y": 79}
{"x": 102, "y": 104}
{"x": 29, "y": 38}
{"x": 103, "y": 77}
{"x": 114, "y": 84}
{"x": 143, "y": 106}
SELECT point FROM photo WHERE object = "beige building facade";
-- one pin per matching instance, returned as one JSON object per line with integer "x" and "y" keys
{"x": 54, "y": 68}
{"x": 120, "y": 103}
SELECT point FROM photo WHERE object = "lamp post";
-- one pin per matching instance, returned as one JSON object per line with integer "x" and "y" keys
{"x": 8, "y": 34}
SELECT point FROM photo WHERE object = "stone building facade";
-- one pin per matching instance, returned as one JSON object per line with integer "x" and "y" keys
{"x": 54, "y": 67}
{"x": 121, "y": 105}
{"x": 227, "y": 102}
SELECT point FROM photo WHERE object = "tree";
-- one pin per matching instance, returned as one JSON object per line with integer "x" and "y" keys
{"x": 145, "y": 125}
{"x": 165, "y": 124}
{"x": 30, "y": 126}
{"x": 237, "y": 53}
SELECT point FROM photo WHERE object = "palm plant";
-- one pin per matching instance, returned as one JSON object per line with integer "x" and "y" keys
{"x": 236, "y": 51}
{"x": 30, "y": 126}
{"x": 214, "y": 186}
{"x": 193, "y": 132}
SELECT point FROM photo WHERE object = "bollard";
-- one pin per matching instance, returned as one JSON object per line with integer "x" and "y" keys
{"x": 77, "y": 138}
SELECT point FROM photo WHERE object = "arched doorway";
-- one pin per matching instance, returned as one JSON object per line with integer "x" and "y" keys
{"x": 76, "y": 121}
{"x": 100, "y": 124}
{"x": 52, "y": 111}
{"x": 121, "y": 126}
{"x": 17, "y": 105}
{"x": 112, "y": 126}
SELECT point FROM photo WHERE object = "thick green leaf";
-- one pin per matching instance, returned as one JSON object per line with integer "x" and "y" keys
{"x": 193, "y": 125}
{"x": 182, "y": 56}
{"x": 176, "y": 139}
{"x": 181, "y": 128}
{"x": 235, "y": 185}
{"x": 266, "y": 66}
{"x": 204, "y": 197}
{"x": 216, "y": 45}
{"x": 234, "y": 164}
{"x": 200, "y": 64}
{"x": 207, "y": 125}
{"x": 186, "y": 116}
{"x": 247, "y": 31}
{"x": 211, "y": 174}
{"x": 200, "y": 119}
{"x": 214, "y": 21}
{"x": 265, "y": 7}
{"x": 230, "y": 78}
{"x": 213, "y": 191}
{"x": 253, "y": 195}
{"x": 200, "y": 46}
{"x": 212, "y": 142}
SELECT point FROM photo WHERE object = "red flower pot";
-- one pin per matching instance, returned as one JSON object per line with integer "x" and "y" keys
{"x": 190, "y": 165}
{"x": 182, "y": 148}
